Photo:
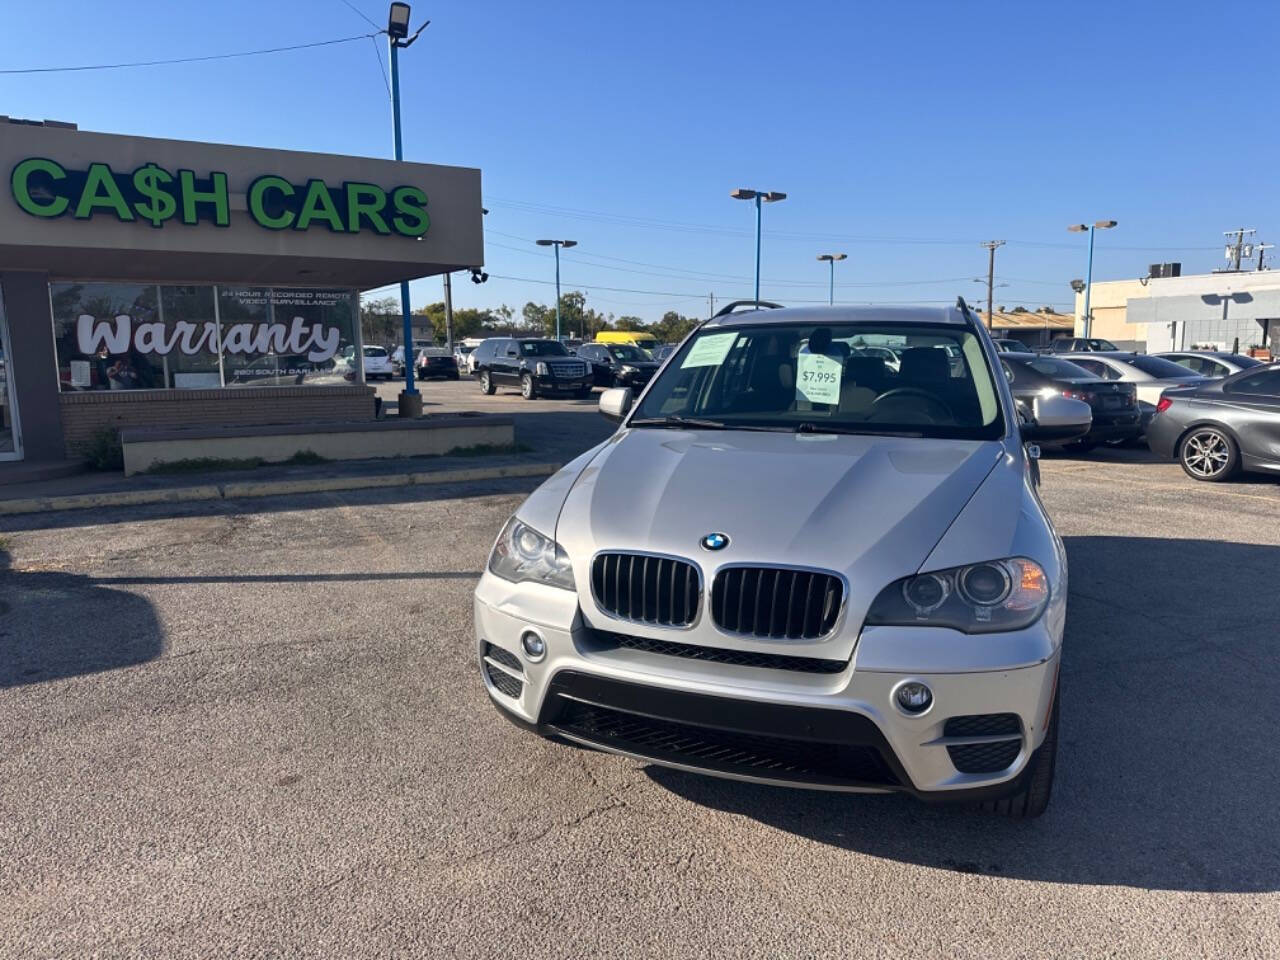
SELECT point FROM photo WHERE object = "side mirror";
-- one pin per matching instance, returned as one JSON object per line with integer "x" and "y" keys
{"x": 615, "y": 404}
{"x": 1057, "y": 419}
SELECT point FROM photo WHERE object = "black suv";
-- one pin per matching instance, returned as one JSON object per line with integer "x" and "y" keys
{"x": 537, "y": 367}
{"x": 618, "y": 365}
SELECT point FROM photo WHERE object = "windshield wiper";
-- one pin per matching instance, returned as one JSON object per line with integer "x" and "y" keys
{"x": 866, "y": 431}
{"x": 677, "y": 422}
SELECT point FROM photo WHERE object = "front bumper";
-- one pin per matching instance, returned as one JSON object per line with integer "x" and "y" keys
{"x": 829, "y": 730}
{"x": 550, "y": 384}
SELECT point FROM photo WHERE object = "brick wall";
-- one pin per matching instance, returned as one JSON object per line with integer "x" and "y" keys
{"x": 85, "y": 414}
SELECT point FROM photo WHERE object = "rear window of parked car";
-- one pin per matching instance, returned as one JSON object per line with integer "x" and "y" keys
{"x": 375, "y": 351}
{"x": 1265, "y": 382}
{"x": 1158, "y": 367}
{"x": 1057, "y": 369}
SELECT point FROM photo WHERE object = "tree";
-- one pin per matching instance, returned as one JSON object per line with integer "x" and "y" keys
{"x": 380, "y": 320}
{"x": 629, "y": 323}
{"x": 673, "y": 327}
{"x": 538, "y": 318}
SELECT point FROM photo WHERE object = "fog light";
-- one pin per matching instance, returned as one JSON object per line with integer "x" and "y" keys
{"x": 914, "y": 697}
{"x": 535, "y": 648}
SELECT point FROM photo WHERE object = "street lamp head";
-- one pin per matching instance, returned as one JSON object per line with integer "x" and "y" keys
{"x": 398, "y": 21}
{"x": 742, "y": 193}
{"x": 1077, "y": 286}
{"x": 842, "y": 256}
{"x": 1105, "y": 224}
{"x": 1078, "y": 227}
{"x": 544, "y": 243}
{"x": 568, "y": 243}
{"x": 773, "y": 196}
{"x": 833, "y": 256}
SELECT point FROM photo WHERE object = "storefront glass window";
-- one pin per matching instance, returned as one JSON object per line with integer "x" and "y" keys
{"x": 122, "y": 336}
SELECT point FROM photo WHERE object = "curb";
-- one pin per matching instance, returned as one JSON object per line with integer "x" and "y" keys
{"x": 270, "y": 488}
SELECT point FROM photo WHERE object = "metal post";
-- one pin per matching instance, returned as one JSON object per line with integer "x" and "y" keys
{"x": 405, "y": 308}
{"x": 1088, "y": 286}
{"x": 757, "y": 248}
{"x": 557, "y": 246}
{"x": 448, "y": 311}
{"x": 831, "y": 291}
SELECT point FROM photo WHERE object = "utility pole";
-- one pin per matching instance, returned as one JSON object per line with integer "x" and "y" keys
{"x": 712, "y": 298}
{"x": 1236, "y": 252}
{"x": 991, "y": 246}
{"x": 1263, "y": 247}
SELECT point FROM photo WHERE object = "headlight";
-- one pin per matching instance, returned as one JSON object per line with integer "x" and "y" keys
{"x": 522, "y": 553}
{"x": 986, "y": 597}
{"x": 542, "y": 369}
{"x": 627, "y": 368}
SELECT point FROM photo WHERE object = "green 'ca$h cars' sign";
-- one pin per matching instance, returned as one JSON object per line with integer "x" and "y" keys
{"x": 153, "y": 195}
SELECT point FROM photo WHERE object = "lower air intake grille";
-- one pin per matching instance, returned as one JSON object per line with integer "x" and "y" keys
{"x": 504, "y": 682}
{"x": 776, "y": 603}
{"x": 504, "y": 657}
{"x": 984, "y": 757}
{"x": 748, "y": 754}
{"x": 659, "y": 590}
{"x": 983, "y": 725}
{"x": 601, "y": 640}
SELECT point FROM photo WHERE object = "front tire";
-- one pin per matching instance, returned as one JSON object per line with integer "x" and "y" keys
{"x": 1207, "y": 453}
{"x": 486, "y": 383}
{"x": 527, "y": 389}
{"x": 1032, "y": 798}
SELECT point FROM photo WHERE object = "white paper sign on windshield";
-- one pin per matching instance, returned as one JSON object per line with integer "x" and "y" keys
{"x": 709, "y": 350}
{"x": 818, "y": 377}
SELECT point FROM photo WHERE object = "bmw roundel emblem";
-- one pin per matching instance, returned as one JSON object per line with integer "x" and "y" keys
{"x": 715, "y": 541}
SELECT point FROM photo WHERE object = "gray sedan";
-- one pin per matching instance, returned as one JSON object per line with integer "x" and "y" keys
{"x": 1221, "y": 427}
{"x": 1211, "y": 363}
{"x": 1150, "y": 375}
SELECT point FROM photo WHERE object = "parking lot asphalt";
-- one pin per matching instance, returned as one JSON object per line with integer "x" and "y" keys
{"x": 255, "y": 729}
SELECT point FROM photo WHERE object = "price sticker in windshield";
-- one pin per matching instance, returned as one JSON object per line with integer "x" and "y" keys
{"x": 709, "y": 350}
{"x": 818, "y": 378}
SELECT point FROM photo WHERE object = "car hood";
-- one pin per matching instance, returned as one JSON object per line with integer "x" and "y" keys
{"x": 870, "y": 508}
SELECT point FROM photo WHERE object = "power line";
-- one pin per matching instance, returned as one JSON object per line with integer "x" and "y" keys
{"x": 361, "y": 14}
{"x": 677, "y": 226}
{"x": 681, "y": 273}
{"x": 214, "y": 56}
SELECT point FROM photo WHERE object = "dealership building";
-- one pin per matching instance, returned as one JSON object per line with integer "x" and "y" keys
{"x": 149, "y": 283}
{"x": 1216, "y": 311}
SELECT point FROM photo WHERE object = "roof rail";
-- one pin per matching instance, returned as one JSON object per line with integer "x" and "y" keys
{"x": 729, "y": 308}
{"x": 963, "y": 307}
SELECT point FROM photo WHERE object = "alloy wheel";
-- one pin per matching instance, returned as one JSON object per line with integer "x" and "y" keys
{"x": 1206, "y": 453}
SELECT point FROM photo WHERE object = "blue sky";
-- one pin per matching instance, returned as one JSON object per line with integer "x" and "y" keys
{"x": 904, "y": 133}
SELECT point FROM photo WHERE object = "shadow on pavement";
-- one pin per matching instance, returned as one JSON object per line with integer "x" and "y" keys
{"x": 1167, "y": 775}
{"x": 40, "y": 638}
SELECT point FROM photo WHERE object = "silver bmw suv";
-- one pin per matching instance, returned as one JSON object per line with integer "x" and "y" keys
{"x": 798, "y": 563}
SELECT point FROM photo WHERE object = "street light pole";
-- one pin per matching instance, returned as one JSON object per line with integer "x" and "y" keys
{"x": 557, "y": 244}
{"x": 1088, "y": 277}
{"x": 759, "y": 196}
{"x": 832, "y": 258}
{"x": 410, "y": 403}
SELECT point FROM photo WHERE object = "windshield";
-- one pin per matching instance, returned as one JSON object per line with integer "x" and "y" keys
{"x": 543, "y": 348}
{"x": 824, "y": 378}
{"x": 375, "y": 351}
{"x": 1159, "y": 367}
{"x": 626, "y": 352}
